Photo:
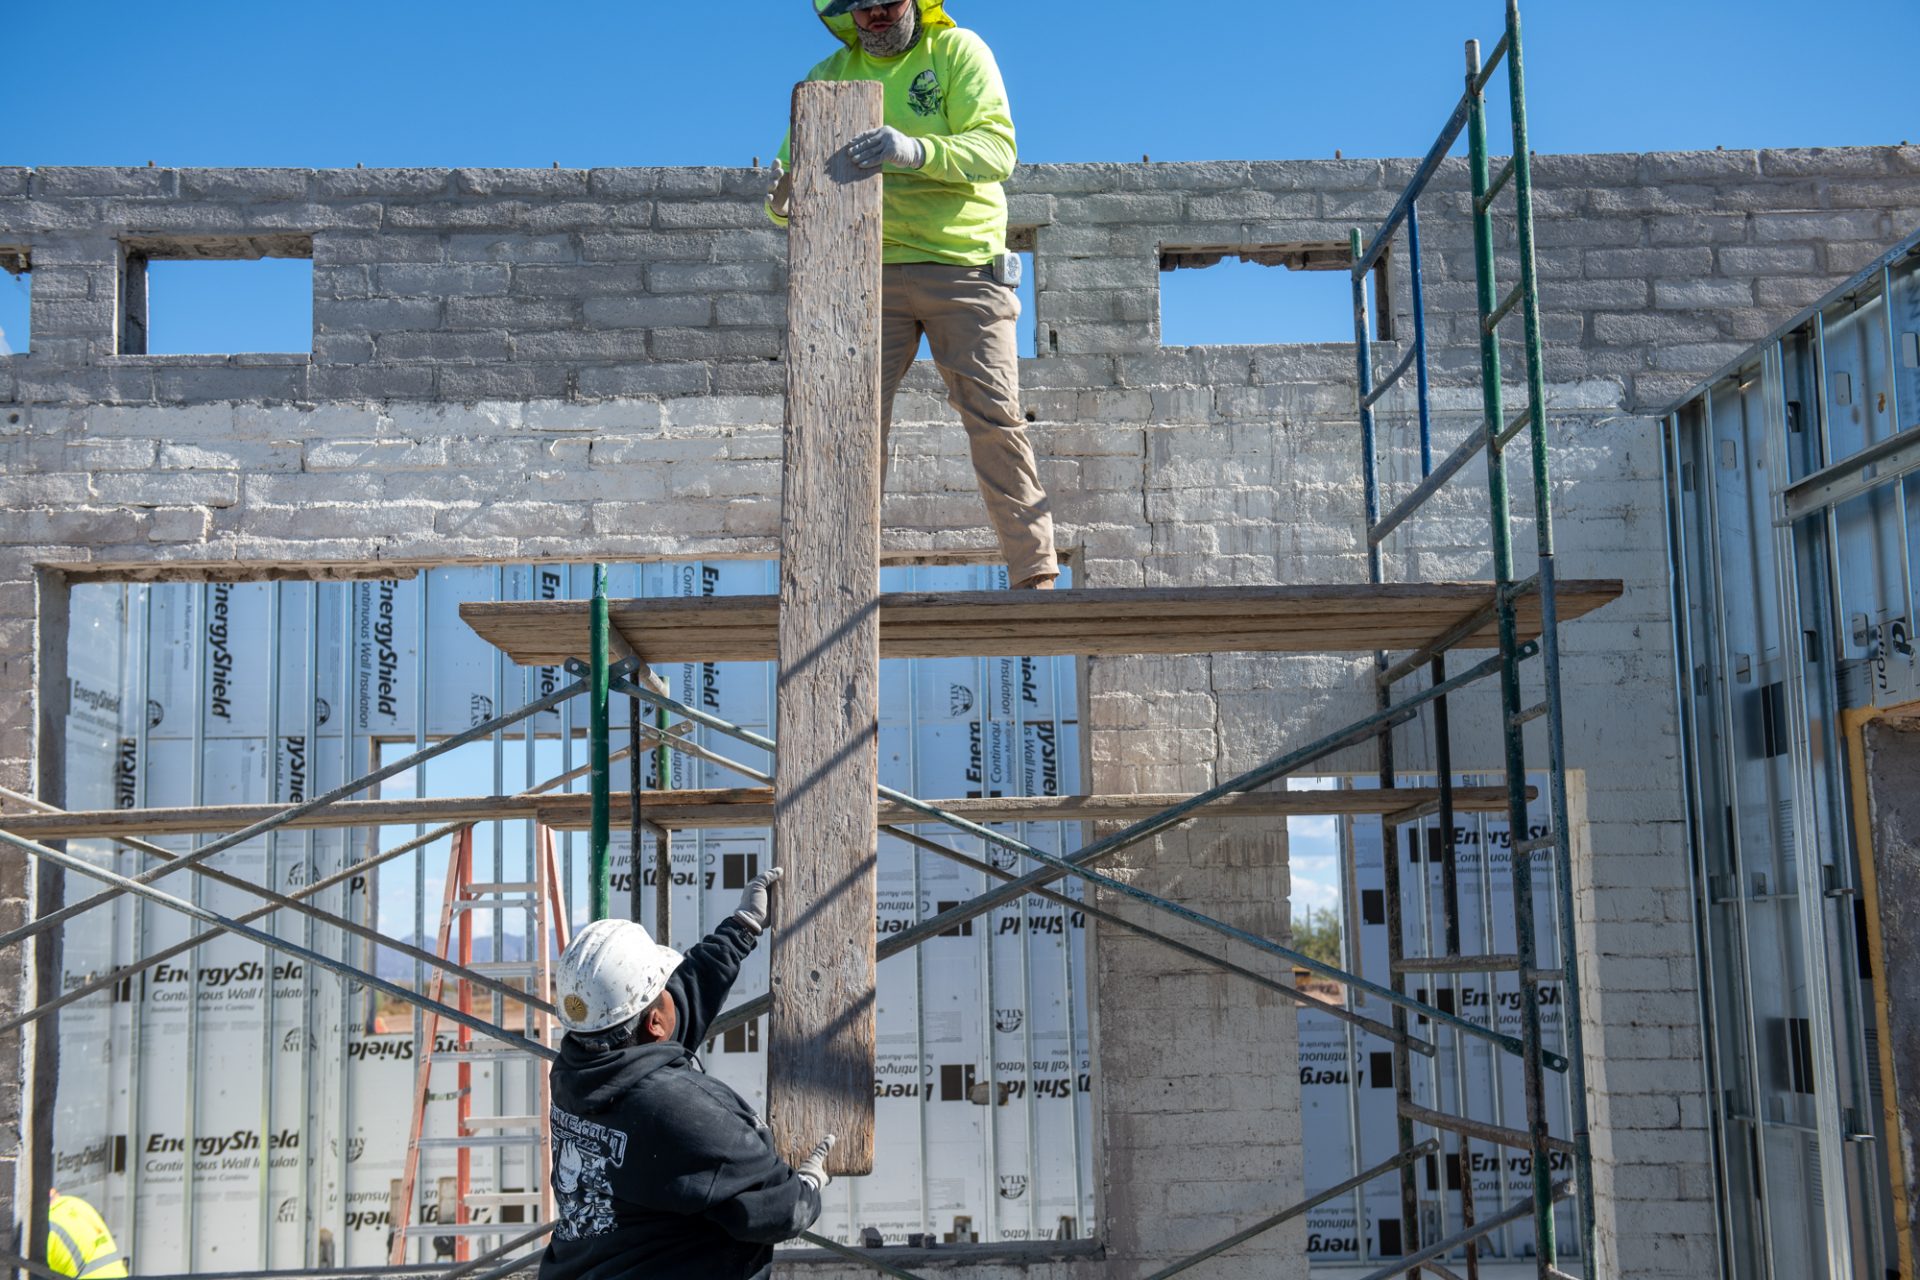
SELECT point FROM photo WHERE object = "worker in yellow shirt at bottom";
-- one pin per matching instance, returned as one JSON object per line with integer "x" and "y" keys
{"x": 78, "y": 1242}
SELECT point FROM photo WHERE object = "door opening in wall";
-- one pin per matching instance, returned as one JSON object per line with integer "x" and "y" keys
{"x": 1264, "y": 294}
{"x": 187, "y": 694}
{"x": 1341, "y": 915}
{"x": 16, "y": 301}
{"x": 217, "y": 297}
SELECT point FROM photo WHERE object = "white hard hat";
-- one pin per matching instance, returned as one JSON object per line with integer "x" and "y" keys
{"x": 610, "y": 974}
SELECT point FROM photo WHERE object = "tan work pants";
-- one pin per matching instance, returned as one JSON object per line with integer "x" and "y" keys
{"x": 971, "y": 322}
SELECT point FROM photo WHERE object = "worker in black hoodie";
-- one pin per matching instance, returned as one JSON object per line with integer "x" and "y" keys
{"x": 661, "y": 1171}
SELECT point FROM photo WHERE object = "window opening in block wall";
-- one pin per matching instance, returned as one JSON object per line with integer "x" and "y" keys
{"x": 217, "y": 296}
{"x": 1029, "y": 312}
{"x": 16, "y": 301}
{"x": 1264, "y": 294}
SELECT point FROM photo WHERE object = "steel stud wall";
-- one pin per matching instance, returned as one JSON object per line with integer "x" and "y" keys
{"x": 1792, "y": 485}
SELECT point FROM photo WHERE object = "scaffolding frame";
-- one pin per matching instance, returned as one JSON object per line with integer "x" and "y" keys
{"x": 603, "y": 675}
{"x": 1495, "y": 433}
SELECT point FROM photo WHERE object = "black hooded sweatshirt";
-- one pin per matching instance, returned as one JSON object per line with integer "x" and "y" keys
{"x": 661, "y": 1171}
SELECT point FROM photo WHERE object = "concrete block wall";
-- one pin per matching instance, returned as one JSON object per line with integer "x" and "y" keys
{"x": 555, "y": 364}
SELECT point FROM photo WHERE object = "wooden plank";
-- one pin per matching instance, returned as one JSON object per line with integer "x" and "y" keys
{"x": 1313, "y": 618}
{"x": 210, "y": 819}
{"x": 753, "y": 807}
{"x": 721, "y": 809}
{"x": 820, "y": 1032}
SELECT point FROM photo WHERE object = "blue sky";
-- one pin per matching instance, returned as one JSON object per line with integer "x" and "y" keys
{"x": 487, "y": 83}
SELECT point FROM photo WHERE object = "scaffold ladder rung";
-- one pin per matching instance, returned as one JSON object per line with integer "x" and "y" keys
{"x": 1537, "y": 843}
{"x": 1498, "y": 1134}
{"x": 1505, "y": 308}
{"x": 1529, "y": 715}
{"x": 1399, "y": 372}
{"x": 1482, "y": 203}
{"x": 1458, "y": 964}
{"x": 1513, "y": 429}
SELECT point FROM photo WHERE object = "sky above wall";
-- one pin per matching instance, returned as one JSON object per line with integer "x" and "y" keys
{"x": 592, "y": 84}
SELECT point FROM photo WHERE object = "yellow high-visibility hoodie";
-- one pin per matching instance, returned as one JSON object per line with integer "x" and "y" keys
{"x": 947, "y": 92}
{"x": 78, "y": 1242}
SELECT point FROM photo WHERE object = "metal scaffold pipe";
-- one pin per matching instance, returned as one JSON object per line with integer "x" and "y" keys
{"x": 1424, "y": 1047}
{"x": 115, "y": 977}
{"x": 1077, "y": 865}
{"x": 599, "y": 863}
{"x": 478, "y": 732}
{"x": 123, "y": 884}
{"x": 319, "y": 914}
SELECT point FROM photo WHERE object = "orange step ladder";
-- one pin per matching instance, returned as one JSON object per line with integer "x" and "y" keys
{"x": 478, "y": 1215}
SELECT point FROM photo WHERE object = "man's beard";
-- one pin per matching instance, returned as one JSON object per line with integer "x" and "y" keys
{"x": 896, "y": 39}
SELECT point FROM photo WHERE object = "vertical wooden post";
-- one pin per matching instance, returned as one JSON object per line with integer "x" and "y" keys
{"x": 821, "y": 1031}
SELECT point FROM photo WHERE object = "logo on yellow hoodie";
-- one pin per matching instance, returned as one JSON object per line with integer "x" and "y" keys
{"x": 924, "y": 94}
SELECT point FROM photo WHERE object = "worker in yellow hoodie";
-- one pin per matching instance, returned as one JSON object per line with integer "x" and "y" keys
{"x": 78, "y": 1242}
{"x": 946, "y": 147}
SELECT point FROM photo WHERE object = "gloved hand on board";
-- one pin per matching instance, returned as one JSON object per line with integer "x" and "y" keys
{"x": 814, "y": 1167}
{"x": 780, "y": 194}
{"x": 887, "y": 145}
{"x": 755, "y": 906}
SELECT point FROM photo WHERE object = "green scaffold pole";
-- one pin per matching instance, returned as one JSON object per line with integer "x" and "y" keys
{"x": 599, "y": 869}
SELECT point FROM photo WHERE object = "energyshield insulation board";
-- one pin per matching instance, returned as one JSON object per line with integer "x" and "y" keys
{"x": 231, "y": 1110}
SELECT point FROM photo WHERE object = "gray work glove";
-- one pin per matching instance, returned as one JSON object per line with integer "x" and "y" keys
{"x": 887, "y": 145}
{"x": 814, "y": 1167}
{"x": 754, "y": 906}
{"x": 780, "y": 194}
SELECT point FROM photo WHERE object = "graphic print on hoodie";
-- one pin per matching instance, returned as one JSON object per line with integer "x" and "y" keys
{"x": 584, "y": 1151}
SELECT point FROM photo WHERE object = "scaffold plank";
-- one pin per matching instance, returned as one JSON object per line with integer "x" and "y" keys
{"x": 724, "y": 808}
{"x": 823, "y": 972}
{"x": 1309, "y": 618}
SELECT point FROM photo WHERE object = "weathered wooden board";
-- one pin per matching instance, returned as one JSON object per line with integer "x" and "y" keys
{"x": 722, "y": 809}
{"x": 1315, "y": 618}
{"x": 820, "y": 1033}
